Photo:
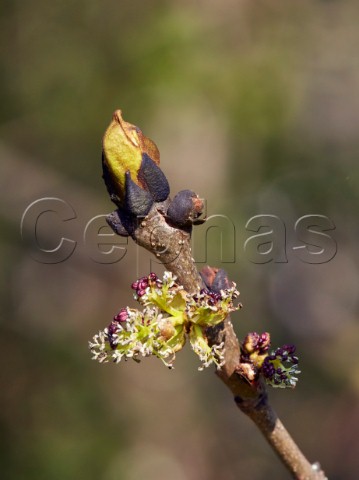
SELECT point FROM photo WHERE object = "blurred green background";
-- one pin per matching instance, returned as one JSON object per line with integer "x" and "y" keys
{"x": 254, "y": 105}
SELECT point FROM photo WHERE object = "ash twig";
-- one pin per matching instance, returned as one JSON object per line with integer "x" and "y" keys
{"x": 172, "y": 247}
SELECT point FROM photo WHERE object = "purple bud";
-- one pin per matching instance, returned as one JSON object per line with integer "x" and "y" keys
{"x": 264, "y": 340}
{"x": 142, "y": 284}
{"x": 289, "y": 348}
{"x": 268, "y": 369}
{"x": 140, "y": 293}
{"x": 152, "y": 277}
{"x": 122, "y": 315}
{"x": 134, "y": 285}
{"x": 214, "y": 297}
{"x": 255, "y": 336}
{"x": 112, "y": 329}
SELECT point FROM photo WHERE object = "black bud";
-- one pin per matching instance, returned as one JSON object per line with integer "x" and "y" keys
{"x": 215, "y": 279}
{"x": 115, "y": 222}
{"x": 137, "y": 200}
{"x": 221, "y": 281}
{"x": 155, "y": 180}
{"x": 185, "y": 209}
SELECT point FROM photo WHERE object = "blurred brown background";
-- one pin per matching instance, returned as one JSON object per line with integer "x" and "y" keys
{"x": 253, "y": 104}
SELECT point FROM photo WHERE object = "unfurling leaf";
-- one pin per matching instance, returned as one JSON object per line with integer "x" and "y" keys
{"x": 130, "y": 168}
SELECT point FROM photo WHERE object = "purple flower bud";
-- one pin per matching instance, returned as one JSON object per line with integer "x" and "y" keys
{"x": 268, "y": 369}
{"x": 211, "y": 302}
{"x": 217, "y": 296}
{"x": 264, "y": 342}
{"x": 281, "y": 350}
{"x": 122, "y": 315}
{"x": 255, "y": 337}
{"x": 140, "y": 293}
{"x": 142, "y": 284}
{"x": 289, "y": 348}
{"x": 112, "y": 329}
{"x": 152, "y": 277}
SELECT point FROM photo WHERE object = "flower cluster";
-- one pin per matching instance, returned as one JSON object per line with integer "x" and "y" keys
{"x": 170, "y": 315}
{"x": 279, "y": 368}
